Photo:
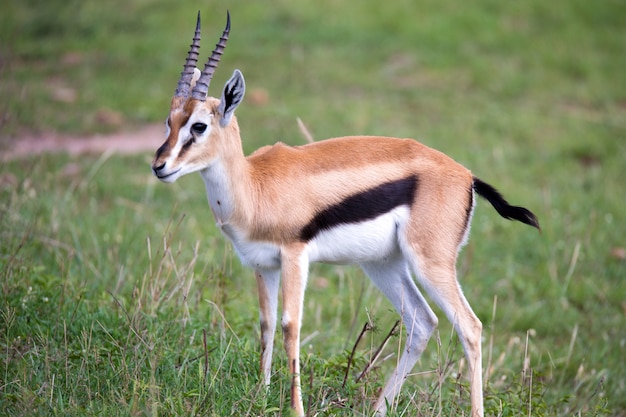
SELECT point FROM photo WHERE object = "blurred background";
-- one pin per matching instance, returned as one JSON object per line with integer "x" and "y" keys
{"x": 87, "y": 66}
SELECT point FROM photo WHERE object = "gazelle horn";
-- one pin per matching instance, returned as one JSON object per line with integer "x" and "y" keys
{"x": 202, "y": 85}
{"x": 184, "y": 84}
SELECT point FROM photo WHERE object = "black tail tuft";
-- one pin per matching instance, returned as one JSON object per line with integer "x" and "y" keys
{"x": 503, "y": 208}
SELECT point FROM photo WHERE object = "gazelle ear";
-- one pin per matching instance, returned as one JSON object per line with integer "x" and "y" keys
{"x": 233, "y": 93}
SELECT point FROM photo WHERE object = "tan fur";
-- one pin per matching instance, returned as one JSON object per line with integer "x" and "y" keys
{"x": 281, "y": 175}
{"x": 262, "y": 203}
{"x": 283, "y": 207}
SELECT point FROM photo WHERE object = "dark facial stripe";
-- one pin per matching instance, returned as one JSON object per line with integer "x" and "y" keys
{"x": 364, "y": 206}
{"x": 161, "y": 150}
{"x": 186, "y": 147}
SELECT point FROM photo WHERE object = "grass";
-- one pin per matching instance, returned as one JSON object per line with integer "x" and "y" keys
{"x": 119, "y": 297}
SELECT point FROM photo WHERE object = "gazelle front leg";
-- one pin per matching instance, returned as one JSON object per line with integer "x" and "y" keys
{"x": 295, "y": 265}
{"x": 267, "y": 284}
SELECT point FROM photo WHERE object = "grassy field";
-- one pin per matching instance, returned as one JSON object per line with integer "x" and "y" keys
{"x": 119, "y": 296}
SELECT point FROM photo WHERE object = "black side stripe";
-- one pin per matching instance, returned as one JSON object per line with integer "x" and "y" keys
{"x": 363, "y": 206}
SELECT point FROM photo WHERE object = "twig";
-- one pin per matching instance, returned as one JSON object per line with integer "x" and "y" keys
{"x": 305, "y": 132}
{"x": 370, "y": 364}
{"x": 367, "y": 326}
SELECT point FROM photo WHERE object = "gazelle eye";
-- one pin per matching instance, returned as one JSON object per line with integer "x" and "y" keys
{"x": 198, "y": 127}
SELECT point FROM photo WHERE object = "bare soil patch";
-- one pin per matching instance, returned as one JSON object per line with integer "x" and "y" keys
{"x": 138, "y": 140}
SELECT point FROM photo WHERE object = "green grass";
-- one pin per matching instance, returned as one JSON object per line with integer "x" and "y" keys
{"x": 119, "y": 296}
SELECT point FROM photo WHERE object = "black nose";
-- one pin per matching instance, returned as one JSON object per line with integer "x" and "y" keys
{"x": 157, "y": 169}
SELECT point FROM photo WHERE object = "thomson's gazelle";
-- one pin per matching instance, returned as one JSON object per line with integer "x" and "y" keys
{"x": 396, "y": 208}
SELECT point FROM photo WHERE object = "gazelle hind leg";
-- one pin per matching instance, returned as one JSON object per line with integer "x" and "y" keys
{"x": 394, "y": 280}
{"x": 440, "y": 281}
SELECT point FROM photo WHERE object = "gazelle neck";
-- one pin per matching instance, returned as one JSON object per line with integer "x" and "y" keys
{"x": 226, "y": 181}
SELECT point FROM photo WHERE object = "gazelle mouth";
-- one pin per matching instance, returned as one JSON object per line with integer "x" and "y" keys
{"x": 162, "y": 177}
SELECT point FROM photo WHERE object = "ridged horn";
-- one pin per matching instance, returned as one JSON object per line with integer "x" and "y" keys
{"x": 184, "y": 84}
{"x": 202, "y": 85}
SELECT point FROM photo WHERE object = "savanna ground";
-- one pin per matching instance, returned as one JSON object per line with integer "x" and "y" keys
{"x": 119, "y": 296}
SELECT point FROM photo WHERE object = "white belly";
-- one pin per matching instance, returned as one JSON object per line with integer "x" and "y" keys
{"x": 355, "y": 243}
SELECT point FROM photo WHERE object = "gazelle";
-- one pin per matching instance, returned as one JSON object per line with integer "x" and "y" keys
{"x": 396, "y": 208}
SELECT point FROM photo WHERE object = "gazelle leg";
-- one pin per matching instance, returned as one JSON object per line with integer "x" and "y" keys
{"x": 267, "y": 284}
{"x": 439, "y": 279}
{"x": 294, "y": 266}
{"x": 394, "y": 280}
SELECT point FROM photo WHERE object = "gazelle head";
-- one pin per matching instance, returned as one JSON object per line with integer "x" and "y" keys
{"x": 197, "y": 124}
